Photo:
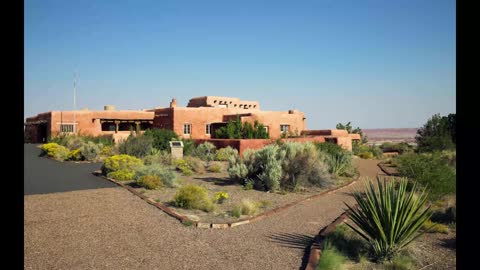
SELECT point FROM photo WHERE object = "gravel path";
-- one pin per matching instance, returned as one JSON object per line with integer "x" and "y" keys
{"x": 111, "y": 228}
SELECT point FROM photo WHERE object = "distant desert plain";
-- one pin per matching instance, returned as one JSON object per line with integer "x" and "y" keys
{"x": 381, "y": 135}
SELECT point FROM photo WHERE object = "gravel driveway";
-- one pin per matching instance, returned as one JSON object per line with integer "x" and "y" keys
{"x": 111, "y": 228}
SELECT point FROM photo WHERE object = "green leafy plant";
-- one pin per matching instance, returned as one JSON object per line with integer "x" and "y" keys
{"x": 429, "y": 170}
{"x": 389, "y": 218}
{"x": 237, "y": 130}
{"x": 193, "y": 197}
{"x": 331, "y": 258}
{"x": 161, "y": 138}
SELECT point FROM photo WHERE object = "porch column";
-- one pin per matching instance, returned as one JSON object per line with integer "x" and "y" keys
{"x": 137, "y": 127}
{"x": 116, "y": 126}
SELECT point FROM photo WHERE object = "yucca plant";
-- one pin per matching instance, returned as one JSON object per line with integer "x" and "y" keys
{"x": 389, "y": 217}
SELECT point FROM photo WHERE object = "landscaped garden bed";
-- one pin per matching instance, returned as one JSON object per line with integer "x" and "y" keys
{"x": 228, "y": 211}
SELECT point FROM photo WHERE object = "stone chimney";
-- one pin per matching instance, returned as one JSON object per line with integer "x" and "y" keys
{"x": 173, "y": 103}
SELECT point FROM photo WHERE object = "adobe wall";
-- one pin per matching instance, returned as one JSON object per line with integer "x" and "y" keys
{"x": 325, "y": 132}
{"x": 243, "y": 144}
{"x": 273, "y": 120}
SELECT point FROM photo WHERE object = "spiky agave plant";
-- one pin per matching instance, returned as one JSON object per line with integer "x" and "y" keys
{"x": 389, "y": 217}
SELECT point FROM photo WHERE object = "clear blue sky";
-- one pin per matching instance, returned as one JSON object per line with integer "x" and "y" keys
{"x": 378, "y": 64}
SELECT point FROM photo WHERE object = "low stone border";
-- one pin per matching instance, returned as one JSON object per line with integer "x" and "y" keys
{"x": 186, "y": 220}
{"x": 385, "y": 169}
{"x": 316, "y": 247}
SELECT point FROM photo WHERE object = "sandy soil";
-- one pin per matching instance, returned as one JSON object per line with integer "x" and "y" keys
{"x": 111, "y": 228}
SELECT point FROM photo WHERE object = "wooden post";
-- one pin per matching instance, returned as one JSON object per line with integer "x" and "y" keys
{"x": 137, "y": 128}
{"x": 116, "y": 126}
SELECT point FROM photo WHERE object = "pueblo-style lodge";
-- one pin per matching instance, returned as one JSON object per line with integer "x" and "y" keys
{"x": 197, "y": 121}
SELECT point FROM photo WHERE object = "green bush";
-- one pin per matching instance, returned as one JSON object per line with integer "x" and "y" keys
{"x": 331, "y": 258}
{"x": 366, "y": 155}
{"x": 188, "y": 147}
{"x": 437, "y": 134}
{"x": 400, "y": 262}
{"x": 121, "y": 162}
{"x": 193, "y": 197}
{"x": 90, "y": 150}
{"x": 237, "y": 130}
{"x": 162, "y": 157}
{"x": 215, "y": 168}
{"x": 195, "y": 164}
{"x": 150, "y": 182}
{"x": 205, "y": 151}
{"x": 107, "y": 151}
{"x": 245, "y": 207}
{"x": 168, "y": 178}
{"x": 55, "y": 151}
{"x": 389, "y": 218}
{"x": 433, "y": 227}
{"x": 223, "y": 154}
{"x": 338, "y": 160}
{"x": 430, "y": 170}
{"x": 137, "y": 146}
{"x": 161, "y": 138}
{"x": 122, "y": 175}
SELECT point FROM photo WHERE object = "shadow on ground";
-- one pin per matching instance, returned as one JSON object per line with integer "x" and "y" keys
{"x": 219, "y": 181}
{"x": 295, "y": 241}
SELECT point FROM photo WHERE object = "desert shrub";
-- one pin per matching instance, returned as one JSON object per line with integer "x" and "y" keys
{"x": 60, "y": 139}
{"x": 55, "y": 151}
{"x": 220, "y": 196}
{"x": 188, "y": 147}
{"x": 264, "y": 203}
{"x": 75, "y": 155}
{"x": 182, "y": 165}
{"x": 107, "y": 151}
{"x": 401, "y": 148}
{"x": 195, "y": 164}
{"x": 289, "y": 166}
{"x": 74, "y": 142}
{"x": 301, "y": 166}
{"x": 367, "y": 151}
{"x": 248, "y": 184}
{"x": 205, "y": 151}
{"x": 215, "y": 168}
{"x": 90, "y": 150}
{"x": 338, "y": 160}
{"x": 121, "y": 162}
{"x": 245, "y": 207}
{"x": 329, "y": 148}
{"x": 137, "y": 146}
{"x": 193, "y": 197}
{"x": 223, "y": 154}
{"x": 389, "y": 218}
{"x": 400, "y": 262}
{"x": 150, "y": 182}
{"x": 161, "y": 138}
{"x": 366, "y": 155}
{"x": 168, "y": 178}
{"x": 331, "y": 258}
{"x": 161, "y": 157}
{"x": 430, "y": 170}
{"x": 433, "y": 227}
{"x": 122, "y": 175}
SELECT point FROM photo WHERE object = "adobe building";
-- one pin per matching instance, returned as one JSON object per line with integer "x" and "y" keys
{"x": 197, "y": 121}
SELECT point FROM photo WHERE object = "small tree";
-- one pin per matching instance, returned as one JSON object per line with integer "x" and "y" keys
{"x": 161, "y": 137}
{"x": 437, "y": 134}
{"x": 237, "y": 130}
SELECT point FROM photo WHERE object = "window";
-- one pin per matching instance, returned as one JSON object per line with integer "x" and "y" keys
{"x": 284, "y": 128}
{"x": 67, "y": 128}
{"x": 208, "y": 129}
{"x": 187, "y": 128}
{"x": 108, "y": 126}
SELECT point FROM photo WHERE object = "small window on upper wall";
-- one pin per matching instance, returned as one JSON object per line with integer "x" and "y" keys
{"x": 208, "y": 129}
{"x": 187, "y": 129}
{"x": 284, "y": 128}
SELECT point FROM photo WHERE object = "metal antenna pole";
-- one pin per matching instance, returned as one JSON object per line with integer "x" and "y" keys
{"x": 74, "y": 101}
